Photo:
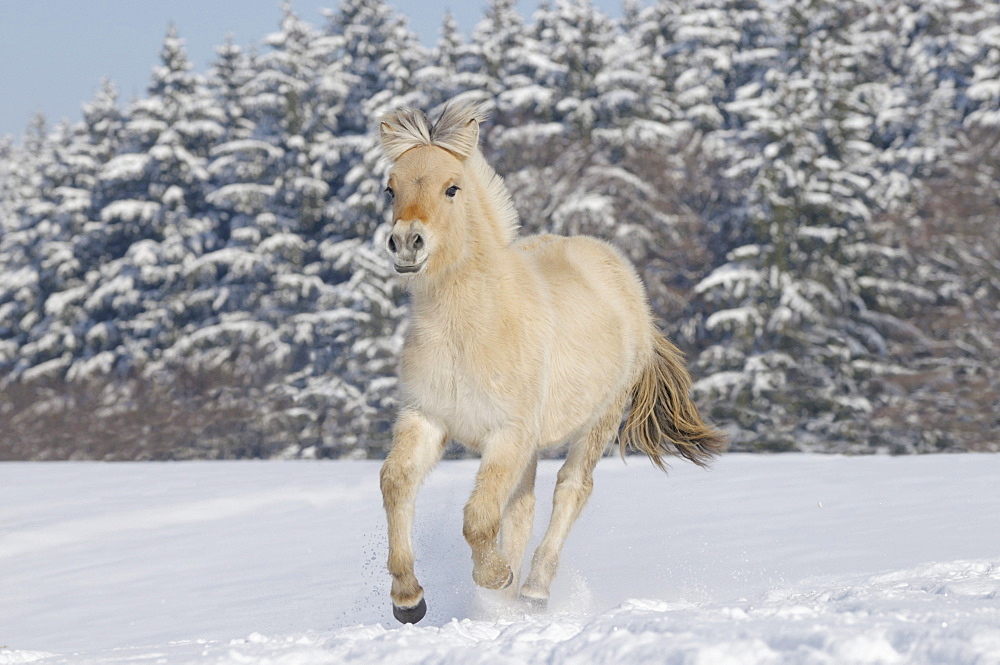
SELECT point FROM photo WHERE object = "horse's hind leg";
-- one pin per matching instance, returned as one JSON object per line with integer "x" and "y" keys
{"x": 515, "y": 524}
{"x": 573, "y": 486}
{"x": 417, "y": 445}
{"x": 505, "y": 457}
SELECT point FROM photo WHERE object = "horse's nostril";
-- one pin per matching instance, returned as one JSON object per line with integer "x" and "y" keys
{"x": 418, "y": 241}
{"x": 392, "y": 244}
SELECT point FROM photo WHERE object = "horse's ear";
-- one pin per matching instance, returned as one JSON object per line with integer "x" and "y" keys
{"x": 402, "y": 130}
{"x": 385, "y": 133}
{"x": 394, "y": 141}
{"x": 460, "y": 139}
{"x": 384, "y": 130}
{"x": 471, "y": 135}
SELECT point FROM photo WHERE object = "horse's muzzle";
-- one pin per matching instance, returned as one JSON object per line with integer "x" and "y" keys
{"x": 407, "y": 247}
{"x": 407, "y": 269}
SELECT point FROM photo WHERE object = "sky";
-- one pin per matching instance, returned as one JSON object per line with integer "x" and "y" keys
{"x": 54, "y": 53}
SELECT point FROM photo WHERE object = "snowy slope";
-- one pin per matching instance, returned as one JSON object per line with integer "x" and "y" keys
{"x": 797, "y": 559}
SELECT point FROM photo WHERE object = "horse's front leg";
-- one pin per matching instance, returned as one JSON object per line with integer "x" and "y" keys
{"x": 506, "y": 456}
{"x": 417, "y": 445}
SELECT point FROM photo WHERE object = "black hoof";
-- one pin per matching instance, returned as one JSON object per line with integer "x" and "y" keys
{"x": 410, "y": 614}
{"x": 534, "y": 604}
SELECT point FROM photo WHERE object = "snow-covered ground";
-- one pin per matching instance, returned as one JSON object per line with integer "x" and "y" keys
{"x": 764, "y": 559}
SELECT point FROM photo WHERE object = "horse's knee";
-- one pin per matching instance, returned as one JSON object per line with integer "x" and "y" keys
{"x": 394, "y": 478}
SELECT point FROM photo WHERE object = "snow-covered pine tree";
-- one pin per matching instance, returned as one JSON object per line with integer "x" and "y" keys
{"x": 228, "y": 77}
{"x": 449, "y": 70}
{"x": 823, "y": 173}
{"x": 798, "y": 321}
{"x": 383, "y": 57}
{"x": 946, "y": 397}
{"x": 22, "y": 291}
{"x": 500, "y": 38}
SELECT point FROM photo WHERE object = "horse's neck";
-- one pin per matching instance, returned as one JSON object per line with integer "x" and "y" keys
{"x": 487, "y": 275}
{"x": 495, "y": 202}
{"x": 469, "y": 295}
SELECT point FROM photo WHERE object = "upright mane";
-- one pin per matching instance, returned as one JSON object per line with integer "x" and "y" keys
{"x": 457, "y": 131}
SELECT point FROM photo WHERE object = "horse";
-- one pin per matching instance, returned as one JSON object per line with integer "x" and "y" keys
{"x": 515, "y": 345}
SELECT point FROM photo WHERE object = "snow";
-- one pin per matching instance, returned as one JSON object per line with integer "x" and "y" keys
{"x": 737, "y": 317}
{"x": 130, "y": 210}
{"x": 764, "y": 559}
{"x": 243, "y": 197}
{"x": 127, "y": 166}
{"x": 57, "y": 303}
{"x": 728, "y": 276}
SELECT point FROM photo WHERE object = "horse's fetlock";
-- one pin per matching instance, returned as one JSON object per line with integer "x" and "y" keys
{"x": 479, "y": 539}
{"x": 406, "y": 593}
{"x": 478, "y": 529}
{"x": 490, "y": 571}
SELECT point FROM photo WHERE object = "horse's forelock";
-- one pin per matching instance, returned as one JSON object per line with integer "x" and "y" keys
{"x": 456, "y": 130}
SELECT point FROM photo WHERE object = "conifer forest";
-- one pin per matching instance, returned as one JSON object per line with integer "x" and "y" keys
{"x": 810, "y": 190}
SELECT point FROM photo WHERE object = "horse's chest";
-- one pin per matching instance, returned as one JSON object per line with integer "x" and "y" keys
{"x": 444, "y": 379}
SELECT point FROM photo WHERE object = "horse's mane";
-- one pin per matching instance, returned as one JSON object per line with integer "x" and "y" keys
{"x": 410, "y": 128}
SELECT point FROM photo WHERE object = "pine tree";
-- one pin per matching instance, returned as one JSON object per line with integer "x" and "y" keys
{"x": 501, "y": 38}
{"x": 382, "y": 54}
{"x": 577, "y": 40}
{"x": 230, "y": 74}
{"x": 808, "y": 190}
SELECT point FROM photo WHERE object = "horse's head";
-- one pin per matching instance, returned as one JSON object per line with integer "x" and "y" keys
{"x": 428, "y": 186}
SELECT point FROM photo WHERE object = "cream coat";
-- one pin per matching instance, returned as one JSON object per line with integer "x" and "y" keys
{"x": 515, "y": 345}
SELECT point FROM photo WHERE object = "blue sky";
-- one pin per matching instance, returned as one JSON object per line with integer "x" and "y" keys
{"x": 55, "y": 52}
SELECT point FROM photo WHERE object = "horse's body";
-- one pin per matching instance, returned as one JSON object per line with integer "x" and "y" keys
{"x": 515, "y": 345}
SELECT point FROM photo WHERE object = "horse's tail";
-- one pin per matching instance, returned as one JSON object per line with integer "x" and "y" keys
{"x": 663, "y": 418}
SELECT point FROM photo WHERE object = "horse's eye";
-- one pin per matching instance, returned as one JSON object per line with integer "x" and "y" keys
{"x": 389, "y": 192}
{"x": 451, "y": 191}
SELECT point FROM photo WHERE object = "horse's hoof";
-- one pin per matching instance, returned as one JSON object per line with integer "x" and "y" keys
{"x": 494, "y": 582}
{"x": 533, "y": 604}
{"x": 410, "y": 614}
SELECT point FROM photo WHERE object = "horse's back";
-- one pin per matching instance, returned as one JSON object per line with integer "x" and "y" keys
{"x": 599, "y": 313}
{"x": 587, "y": 274}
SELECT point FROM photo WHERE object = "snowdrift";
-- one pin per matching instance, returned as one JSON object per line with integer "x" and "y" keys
{"x": 782, "y": 559}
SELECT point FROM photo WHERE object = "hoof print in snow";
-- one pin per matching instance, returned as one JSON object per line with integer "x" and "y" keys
{"x": 533, "y": 605}
{"x": 410, "y": 614}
